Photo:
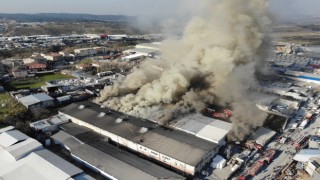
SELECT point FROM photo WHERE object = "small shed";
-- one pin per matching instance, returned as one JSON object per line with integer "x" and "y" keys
{"x": 218, "y": 162}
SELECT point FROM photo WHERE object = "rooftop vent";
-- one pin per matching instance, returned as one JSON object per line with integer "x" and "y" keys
{"x": 81, "y": 106}
{"x": 143, "y": 130}
{"x": 102, "y": 106}
{"x": 119, "y": 120}
{"x": 101, "y": 114}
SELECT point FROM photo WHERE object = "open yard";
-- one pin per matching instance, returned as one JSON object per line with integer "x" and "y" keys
{"x": 9, "y": 106}
{"x": 38, "y": 81}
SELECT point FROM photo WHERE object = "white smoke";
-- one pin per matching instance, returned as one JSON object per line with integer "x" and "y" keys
{"x": 215, "y": 61}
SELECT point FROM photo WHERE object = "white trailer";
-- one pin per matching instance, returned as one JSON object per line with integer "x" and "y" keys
{"x": 303, "y": 124}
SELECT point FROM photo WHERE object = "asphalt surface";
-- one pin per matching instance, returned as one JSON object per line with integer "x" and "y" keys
{"x": 285, "y": 152}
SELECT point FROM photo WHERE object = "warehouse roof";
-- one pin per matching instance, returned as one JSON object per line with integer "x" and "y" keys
{"x": 26, "y": 159}
{"x": 41, "y": 164}
{"x": 6, "y": 129}
{"x": 24, "y": 148}
{"x": 176, "y": 144}
{"x": 52, "y": 121}
{"x": 107, "y": 157}
{"x": 9, "y": 138}
{"x": 306, "y": 154}
{"x": 206, "y": 128}
{"x": 263, "y": 135}
{"x": 34, "y": 99}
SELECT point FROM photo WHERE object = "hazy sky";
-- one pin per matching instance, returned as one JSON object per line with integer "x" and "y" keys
{"x": 141, "y": 7}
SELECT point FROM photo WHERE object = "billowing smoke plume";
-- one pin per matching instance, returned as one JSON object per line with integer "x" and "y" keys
{"x": 215, "y": 61}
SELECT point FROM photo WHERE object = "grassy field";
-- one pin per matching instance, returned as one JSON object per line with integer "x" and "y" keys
{"x": 9, "y": 106}
{"x": 38, "y": 81}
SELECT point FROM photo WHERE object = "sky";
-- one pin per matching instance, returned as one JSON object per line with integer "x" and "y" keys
{"x": 281, "y": 8}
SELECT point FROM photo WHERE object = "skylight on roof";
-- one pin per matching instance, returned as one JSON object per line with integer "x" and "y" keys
{"x": 101, "y": 114}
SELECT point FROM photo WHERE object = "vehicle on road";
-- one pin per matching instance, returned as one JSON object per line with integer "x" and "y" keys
{"x": 303, "y": 124}
{"x": 283, "y": 140}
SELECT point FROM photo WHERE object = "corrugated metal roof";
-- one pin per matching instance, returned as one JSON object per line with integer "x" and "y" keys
{"x": 29, "y": 100}
{"x": 83, "y": 176}
{"x": 263, "y": 135}
{"x": 24, "y": 148}
{"x": 213, "y": 133}
{"x": 43, "y": 97}
{"x": 306, "y": 154}
{"x": 40, "y": 124}
{"x": 206, "y": 128}
{"x": 57, "y": 120}
{"x": 109, "y": 158}
{"x": 58, "y": 162}
{"x": 11, "y": 137}
{"x": 40, "y": 165}
{"x": 34, "y": 99}
{"x": 167, "y": 141}
{"x": 6, "y": 129}
{"x": 6, "y": 158}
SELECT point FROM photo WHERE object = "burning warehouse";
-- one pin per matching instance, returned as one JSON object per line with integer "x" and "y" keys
{"x": 176, "y": 149}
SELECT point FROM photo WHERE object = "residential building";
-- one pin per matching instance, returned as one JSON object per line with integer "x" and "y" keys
{"x": 85, "y": 52}
{"x": 3, "y": 28}
{"x": 36, "y": 66}
{"x": 28, "y": 60}
{"x": 19, "y": 72}
{"x": 100, "y": 50}
{"x": 83, "y": 66}
{"x": 53, "y": 56}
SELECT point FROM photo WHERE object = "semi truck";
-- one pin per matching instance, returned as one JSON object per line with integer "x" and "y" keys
{"x": 303, "y": 124}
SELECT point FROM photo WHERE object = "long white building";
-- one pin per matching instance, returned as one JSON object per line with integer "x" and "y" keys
{"x": 24, "y": 158}
{"x": 177, "y": 149}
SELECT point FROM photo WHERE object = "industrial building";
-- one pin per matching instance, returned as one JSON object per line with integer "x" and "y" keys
{"x": 153, "y": 46}
{"x": 286, "y": 90}
{"x": 25, "y": 158}
{"x": 147, "y": 52}
{"x": 203, "y": 127}
{"x": 134, "y": 57}
{"x": 311, "y": 160}
{"x": 37, "y": 100}
{"x": 263, "y": 135}
{"x": 313, "y": 168}
{"x": 49, "y": 124}
{"x": 176, "y": 149}
{"x": 306, "y": 154}
{"x": 91, "y": 149}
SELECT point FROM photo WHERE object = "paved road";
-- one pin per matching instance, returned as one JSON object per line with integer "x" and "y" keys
{"x": 283, "y": 157}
